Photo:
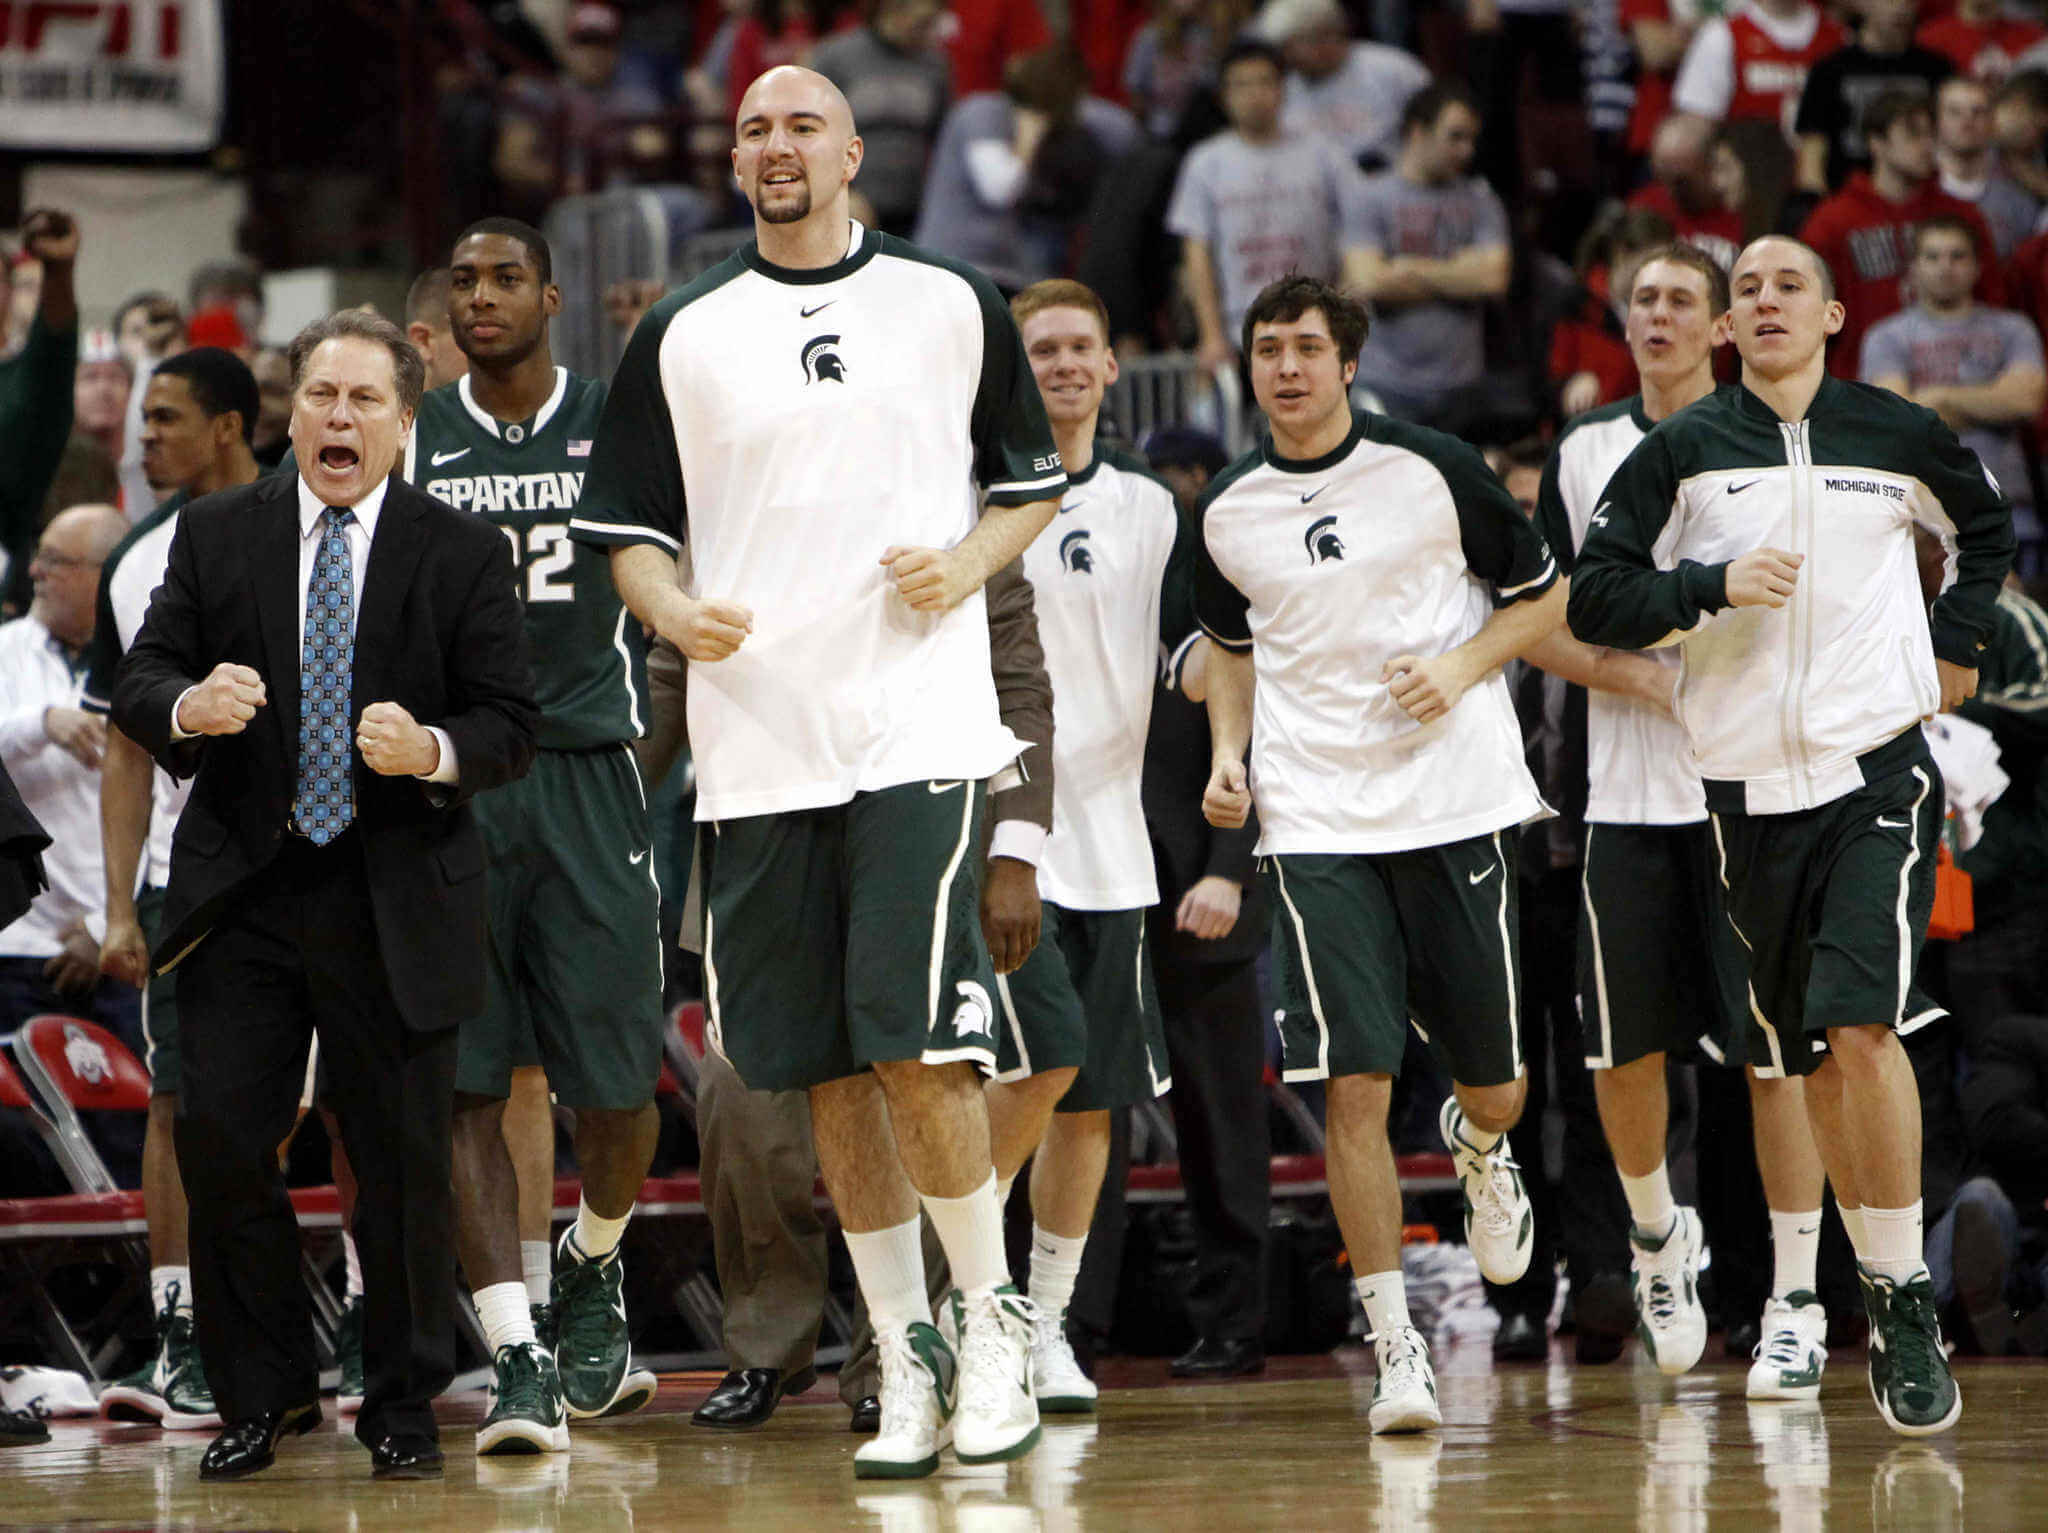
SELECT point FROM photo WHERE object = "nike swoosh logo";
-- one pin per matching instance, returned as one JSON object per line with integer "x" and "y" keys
{"x": 1476, "y": 879}
{"x": 1072, "y": 505}
{"x": 820, "y": 309}
{"x": 1600, "y": 515}
{"x": 637, "y": 858}
{"x": 1893, "y": 824}
{"x": 449, "y": 457}
{"x": 1312, "y": 494}
{"x": 1737, "y": 489}
{"x": 1809, "y": 1229}
{"x": 942, "y": 787}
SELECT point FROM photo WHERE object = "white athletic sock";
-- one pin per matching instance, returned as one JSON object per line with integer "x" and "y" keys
{"x": 1649, "y": 1201}
{"x": 1852, "y": 1221}
{"x": 1795, "y": 1250}
{"x": 537, "y": 1262}
{"x": 596, "y": 1236}
{"x": 352, "y": 1262}
{"x": 1385, "y": 1297}
{"x": 1481, "y": 1140}
{"x": 1896, "y": 1242}
{"x": 1055, "y": 1263}
{"x": 170, "y": 1287}
{"x": 889, "y": 1265}
{"x": 1003, "y": 1186}
{"x": 971, "y": 1230}
{"x": 501, "y": 1310}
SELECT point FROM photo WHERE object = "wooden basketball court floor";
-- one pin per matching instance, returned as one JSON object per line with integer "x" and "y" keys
{"x": 1523, "y": 1447}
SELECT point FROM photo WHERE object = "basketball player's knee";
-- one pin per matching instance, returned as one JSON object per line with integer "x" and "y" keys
{"x": 1861, "y": 1051}
{"x": 1495, "y": 1109}
{"x": 1358, "y": 1104}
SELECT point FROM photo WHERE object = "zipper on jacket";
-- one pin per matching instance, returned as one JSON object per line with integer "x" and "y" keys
{"x": 1792, "y": 710}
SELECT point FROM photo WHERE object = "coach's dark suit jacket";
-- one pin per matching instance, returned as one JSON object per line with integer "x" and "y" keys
{"x": 440, "y": 632}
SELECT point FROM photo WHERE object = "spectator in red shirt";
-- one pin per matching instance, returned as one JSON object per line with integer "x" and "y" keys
{"x": 1682, "y": 192}
{"x": 1864, "y": 232}
{"x": 1979, "y": 40}
{"x": 987, "y": 35}
{"x": 1659, "y": 31}
{"x": 1752, "y": 62}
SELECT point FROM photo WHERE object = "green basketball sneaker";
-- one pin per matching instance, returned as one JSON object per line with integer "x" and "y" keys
{"x": 348, "y": 1357}
{"x": 1909, "y": 1375}
{"x": 135, "y": 1396}
{"x": 188, "y": 1402}
{"x": 527, "y": 1415}
{"x": 593, "y": 1349}
{"x": 920, "y": 1391}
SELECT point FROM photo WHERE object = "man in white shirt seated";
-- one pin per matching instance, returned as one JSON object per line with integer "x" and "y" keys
{"x": 49, "y": 958}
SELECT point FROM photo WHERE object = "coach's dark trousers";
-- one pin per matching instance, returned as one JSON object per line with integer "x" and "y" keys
{"x": 299, "y": 955}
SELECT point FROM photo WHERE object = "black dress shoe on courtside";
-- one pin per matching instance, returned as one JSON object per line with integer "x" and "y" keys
{"x": 1221, "y": 1357}
{"x": 1520, "y": 1339}
{"x": 746, "y": 1397}
{"x": 405, "y": 1456}
{"x": 1606, "y": 1315}
{"x": 867, "y": 1416}
{"x": 19, "y": 1428}
{"x": 250, "y": 1444}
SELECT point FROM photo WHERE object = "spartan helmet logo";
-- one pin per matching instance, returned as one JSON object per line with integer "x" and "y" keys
{"x": 974, "y": 1014}
{"x": 1074, "y": 553}
{"x": 1321, "y": 540}
{"x": 821, "y": 362}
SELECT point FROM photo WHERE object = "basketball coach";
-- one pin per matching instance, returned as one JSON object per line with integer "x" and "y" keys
{"x": 338, "y": 659}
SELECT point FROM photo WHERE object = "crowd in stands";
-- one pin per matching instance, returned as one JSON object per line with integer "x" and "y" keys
{"x": 1485, "y": 175}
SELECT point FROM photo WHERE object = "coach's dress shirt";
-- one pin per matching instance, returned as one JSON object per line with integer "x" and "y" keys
{"x": 38, "y": 673}
{"x": 359, "y": 533}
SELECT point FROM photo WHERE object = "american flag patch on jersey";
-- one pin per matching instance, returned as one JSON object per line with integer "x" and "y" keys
{"x": 579, "y": 449}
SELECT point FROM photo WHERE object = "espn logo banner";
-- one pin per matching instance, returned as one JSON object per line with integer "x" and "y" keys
{"x": 138, "y": 76}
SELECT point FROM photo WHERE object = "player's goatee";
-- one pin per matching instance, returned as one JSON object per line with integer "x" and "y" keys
{"x": 789, "y": 212}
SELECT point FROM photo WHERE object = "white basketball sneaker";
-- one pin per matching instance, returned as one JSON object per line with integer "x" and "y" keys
{"x": 919, "y": 1382}
{"x": 1404, "y": 1394}
{"x": 1056, "y": 1377}
{"x": 1794, "y": 1351}
{"x": 1500, "y": 1227}
{"x": 998, "y": 1415}
{"x": 1669, "y": 1319}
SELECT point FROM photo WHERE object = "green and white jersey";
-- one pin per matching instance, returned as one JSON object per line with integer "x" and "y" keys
{"x": 789, "y": 427}
{"x": 134, "y": 568}
{"x": 1399, "y": 541}
{"x": 1639, "y": 766}
{"x": 1780, "y": 702}
{"x": 1099, "y": 576}
{"x": 589, "y": 660}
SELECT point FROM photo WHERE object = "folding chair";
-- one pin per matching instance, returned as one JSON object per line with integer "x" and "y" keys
{"x": 40, "y": 1235}
{"x": 74, "y": 1064}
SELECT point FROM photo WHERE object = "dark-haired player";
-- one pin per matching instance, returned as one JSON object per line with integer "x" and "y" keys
{"x": 1364, "y": 580}
{"x": 198, "y": 419}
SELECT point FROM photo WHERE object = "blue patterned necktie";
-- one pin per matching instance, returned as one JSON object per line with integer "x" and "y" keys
{"x": 326, "y": 798}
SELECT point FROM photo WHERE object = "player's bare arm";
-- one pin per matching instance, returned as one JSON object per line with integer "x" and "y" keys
{"x": 1428, "y": 687}
{"x": 124, "y": 825}
{"x": 704, "y": 629}
{"x": 939, "y": 579}
{"x": 1227, "y": 800}
{"x": 1599, "y": 669}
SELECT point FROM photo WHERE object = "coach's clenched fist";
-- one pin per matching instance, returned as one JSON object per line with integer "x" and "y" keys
{"x": 393, "y": 745}
{"x": 222, "y": 704}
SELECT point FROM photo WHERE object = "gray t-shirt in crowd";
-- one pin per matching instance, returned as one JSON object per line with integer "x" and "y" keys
{"x": 1264, "y": 210}
{"x": 1420, "y": 351}
{"x": 1974, "y": 347}
{"x": 899, "y": 100}
{"x": 1358, "y": 105}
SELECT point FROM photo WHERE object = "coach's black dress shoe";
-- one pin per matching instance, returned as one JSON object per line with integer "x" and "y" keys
{"x": 867, "y": 1416}
{"x": 1520, "y": 1339}
{"x": 746, "y": 1397}
{"x": 21, "y": 1427}
{"x": 405, "y": 1456}
{"x": 250, "y": 1444}
{"x": 1221, "y": 1357}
